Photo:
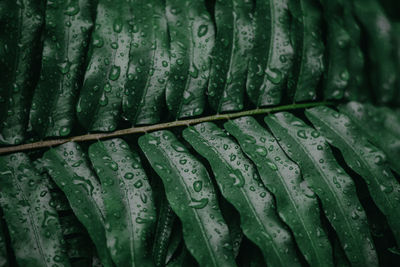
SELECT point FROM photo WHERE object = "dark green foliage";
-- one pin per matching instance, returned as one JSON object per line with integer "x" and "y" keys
{"x": 143, "y": 99}
{"x": 128, "y": 202}
{"x": 240, "y": 184}
{"x": 336, "y": 75}
{"x": 191, "y": 195}
{"x": 100, "y": 98}
{"x": 20, "y": 29}
{"x": 329, "y": 182}
{"x": 271, "y": 57}
{"x": 297, "y": 205}
{"x": 378, "y": 29}
{"x": 306, "y": 36}
{"x": 318, "y": 185}
{"x": 69, "y": 168}
{"x": 33, "y": 224}
{"x": 192, "y": 38}
{"x": 233, "y": 38}
{"x": 4, "y": 258}
{"x": 66, "y": 37}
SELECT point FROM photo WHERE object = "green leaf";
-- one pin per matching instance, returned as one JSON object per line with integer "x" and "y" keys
{"x": 66, "y": 35}
{"x": 143, "y": 99}
{"x": 240, "y": 184}
{"x": 389, "y": 117}
{"x": 192, "y": 197}
{"x": 356, "y": 89}
{"x": 306, "y": 36}
{"x": 192, "y": 38}
{"x": 336, "y": 75}
{"x": 230, "y": 55}
{"x": 4, "y": 258}
{"x": 363, "y": 114}
{"x": 232, "y": 219}
{"x": 330, "y": 183}
{"x": 69, "y": 168}
{"x": 163, "y": 234}
{"x": 100, "y": 99}
{"x": 297, "y": 206}
{"x": 378, "y": 31}
{"x": 21, "y": 23}
{"x": 272, "y": 55}
{"x": 364, "y": 158}
{"x": 128, "y": 202}
{"x": 33, "y": 224}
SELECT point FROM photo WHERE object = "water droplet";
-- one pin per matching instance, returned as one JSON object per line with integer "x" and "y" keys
{"x": 128, "y": 176}
{"x": 302, "y": 134}
{"x": 345, "y": 76}
{"x": 272, "y": 165}
{"x": 72, "y": 10}
{"x": 98, "y": 41}
{"x": 64, "y": 67}
{"x": 114, "y": 73}
{"x": 64, "y": 131}
{"x": 197, "y": 186}
{"x": 238, "y": 179}
{"x": 274, "y": 75}
{"x": 117, "y": 26}
{"x": 261, "y": 151}
{"x": 198, "y": 204}
{"x": 138, "y": 184}
{"x": 103, "y": 101}
{"x": 203, "y": 29}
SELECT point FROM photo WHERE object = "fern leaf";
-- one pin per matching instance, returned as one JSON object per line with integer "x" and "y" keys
{"x": 272, "y": 53}
{"x": 143, "y": 99}
{"x": 296, "y": 204}
{"x": 100, "y": 100}
{"x": 192, "y": 38}
{"x": 69, "y": 168}
{"x": 240, "y": 184}
{"x": 128, "y": 202}
{"x": 330, "y": 183}
{"x": 67, "y": 32}
{"x": 229, "y": 55}
{"x": 364, "y": 158}
{"x": 33, "y": 224}
{"x": 20, "y": 38}
{"x": 191, "y": 195}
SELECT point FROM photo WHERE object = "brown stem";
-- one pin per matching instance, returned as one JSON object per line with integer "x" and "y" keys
{"x": 155, "y": 127}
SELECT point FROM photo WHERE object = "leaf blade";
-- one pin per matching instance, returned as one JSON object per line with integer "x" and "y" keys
{"x": 327, "y": 179}
{"x": 128, "y": 202}
{"x": 272, "y": 53}
{"x": 282, "y": 177}
{"x": 308, "y": 60}
{"x": 365, "y": 159}
{"x": 33, "y": 224}
{"x": 239, "y": 183}
{"x": 204, "y": 230}
{"x": 21, "y": 25}
{"x": 229, "y": 56}
{"x": 143, "y": 99}
{"x": 53, "y": 104}
{"x": 100, "y": 99}
{"x": 192, "y": 39}
{"x": 69, "y": 168}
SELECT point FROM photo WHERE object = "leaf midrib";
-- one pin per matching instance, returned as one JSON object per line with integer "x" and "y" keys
{"x": 156, "y": 127}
